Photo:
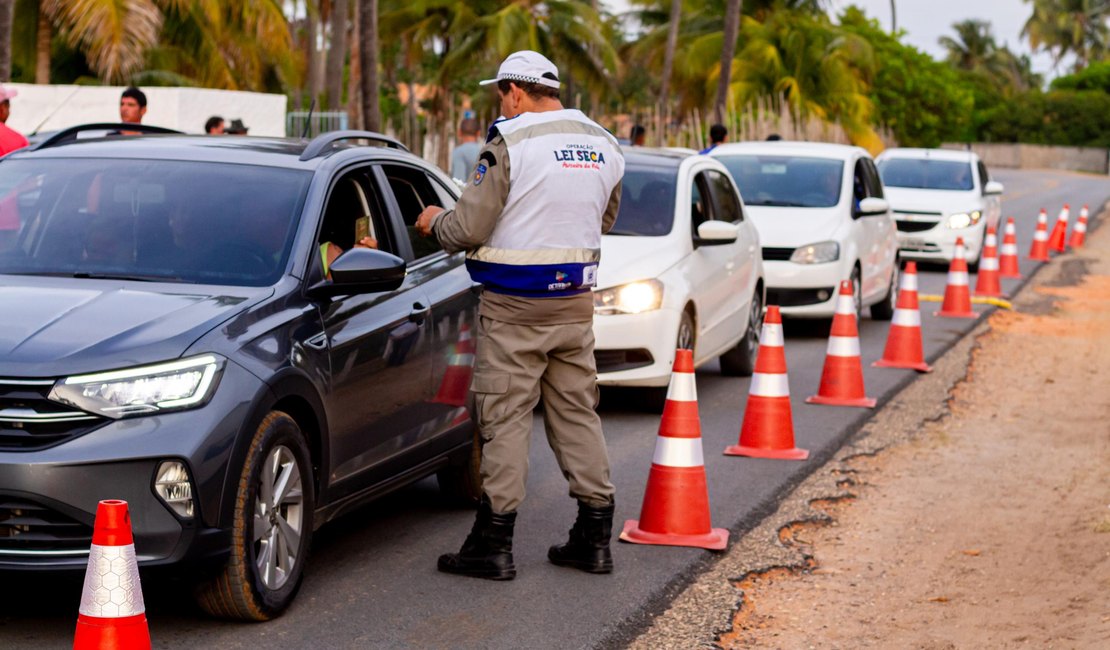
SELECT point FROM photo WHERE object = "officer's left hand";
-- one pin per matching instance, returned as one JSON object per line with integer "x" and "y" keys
{"x": 424, "y": 221}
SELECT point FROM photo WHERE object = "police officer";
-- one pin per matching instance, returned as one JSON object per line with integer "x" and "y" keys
{"x": 546, "y": 186}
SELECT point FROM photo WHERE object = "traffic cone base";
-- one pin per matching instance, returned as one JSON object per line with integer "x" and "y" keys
{"x": 955, "y": 314}
{"x": 715, "y": 540}
{"x": 920, "y": 367}
{"x": 760, "y": 452}
{"x": 106, "y": 634}
{"x": 864, "y": 402}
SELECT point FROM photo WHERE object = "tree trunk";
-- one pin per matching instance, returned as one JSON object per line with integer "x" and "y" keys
{"x": 668, "y": 67}
{"x": 7, "y": 13}
{"x": 42, "y": 48}
{"x": 337, "y": 54}
{"x": 312, "y": 55}
{"x": 732, "y": 30}
{"x": 893, "y": 18}
{"x": 354, "y": 79}
{"x": 368, "y": 55}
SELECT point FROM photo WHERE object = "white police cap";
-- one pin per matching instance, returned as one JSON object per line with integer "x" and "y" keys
{"x": 527, "y": 66}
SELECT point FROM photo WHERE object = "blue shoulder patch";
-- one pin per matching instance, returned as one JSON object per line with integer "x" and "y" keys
{"x": 479, "y": 174}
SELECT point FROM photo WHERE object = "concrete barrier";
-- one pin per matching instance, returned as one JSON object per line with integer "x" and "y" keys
{"x": 49, "y": 108}
{"x": 1038, "y": 156}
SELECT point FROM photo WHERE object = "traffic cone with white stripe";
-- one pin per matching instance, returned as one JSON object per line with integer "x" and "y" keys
{"x": 1008, "y": 262}
{"x": 675, "y": 511}
{"x": 1038, "y": 250}
{"x": 1079, "y": 232}
{"x": 768, "y": 428}
{"x": 1057, "y": 240}
{"x": 904, "y": 348}
{"x": 957, "y": 295}
{"x": 112, "y": 613}
{"x": 842, "y": 377}
{"x": 987, "y": 280}
{"x": 455, "y": 386}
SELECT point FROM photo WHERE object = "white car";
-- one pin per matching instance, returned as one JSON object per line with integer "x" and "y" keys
{"x": 822, "y": 218}
{"x": 680, "y": 269}
{"x": 937, "y": 196}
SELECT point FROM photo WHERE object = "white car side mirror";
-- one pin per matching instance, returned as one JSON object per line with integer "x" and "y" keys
{"x": 993, "y": 187}
{"x": 873, "y": 205}
{"x": 713, "y": 233}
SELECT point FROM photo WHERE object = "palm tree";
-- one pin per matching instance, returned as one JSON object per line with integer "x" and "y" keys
{"x": 7, "y": 14}
{"x": 974, "y": 48}
{"x": 732, "y": 29}
{"x": 337, "y": 53}
{"x": 673, "y": 23}
{"x": 114, "y": 36}
{"x": 1069, "y": 27}
{"x": 369, "y": 51}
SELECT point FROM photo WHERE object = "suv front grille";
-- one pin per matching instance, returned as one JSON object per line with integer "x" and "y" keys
{"x": 29, "y": 421}
{"x": 916, "y": 226}
{"x": 777, "y": 254}
{"x": 27, "y": 528}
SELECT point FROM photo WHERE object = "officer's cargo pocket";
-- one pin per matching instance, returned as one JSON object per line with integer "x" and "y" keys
{"x": 490, "y": 399}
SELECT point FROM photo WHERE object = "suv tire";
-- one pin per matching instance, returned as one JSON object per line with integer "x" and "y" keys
{"x": 278, "y": 457}
{"x": 740, "y": 360}
{"x": 462, "y": 483}
{"x": 884, "y": 309}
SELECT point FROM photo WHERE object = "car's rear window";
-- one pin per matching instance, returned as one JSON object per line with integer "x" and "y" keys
{"x": 786, "y": 181}
{"x": 918, "y": 173}
{"x": 647, "y": 203}
{"x": 196, "y": 222}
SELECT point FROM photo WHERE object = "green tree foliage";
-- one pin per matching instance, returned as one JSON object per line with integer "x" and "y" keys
{"x": 1063, "y": 27}
{"x": 1094, "y": 77}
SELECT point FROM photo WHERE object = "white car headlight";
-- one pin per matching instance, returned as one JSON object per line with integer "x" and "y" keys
{"x": 964, "y": 219}
{"x": 174, "y": 385}
{"x": 631, "y": 298}
{"x": 819, "y": 253}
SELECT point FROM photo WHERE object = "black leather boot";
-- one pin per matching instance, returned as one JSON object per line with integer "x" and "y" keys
{"x": 488, "y": 549}
{"x": 588, "y": 546}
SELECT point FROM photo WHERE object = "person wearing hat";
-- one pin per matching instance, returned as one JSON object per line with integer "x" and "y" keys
{"x": 10, "y": 139}
{"x": 236, "y": 127}
{"x": 546, "y": 186}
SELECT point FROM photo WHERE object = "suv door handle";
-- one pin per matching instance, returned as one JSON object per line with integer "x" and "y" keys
{"x": 419, "y": 312}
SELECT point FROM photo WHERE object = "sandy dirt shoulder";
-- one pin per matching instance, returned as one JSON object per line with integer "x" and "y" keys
{"x": 973, "y": 511}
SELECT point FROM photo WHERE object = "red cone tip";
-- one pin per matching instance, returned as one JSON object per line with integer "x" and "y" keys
{"x": 113, "y": 524}
{"x": 911, "y": 267}
{"x": 959, "y": 241}
{"x": 773, "y": 315}
{"x": 846, "y": 288}
{"x": 683, "y": 360}
{"x": 1067, "y": 207}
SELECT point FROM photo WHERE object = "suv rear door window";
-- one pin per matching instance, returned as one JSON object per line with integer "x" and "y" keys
{"x": 414, "y": 190}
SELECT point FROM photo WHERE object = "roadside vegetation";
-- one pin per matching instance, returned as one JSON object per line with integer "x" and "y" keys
{"x": 675, "y": 66}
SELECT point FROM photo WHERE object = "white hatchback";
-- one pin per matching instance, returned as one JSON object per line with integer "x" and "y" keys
{"x": 939, "y": 195}
{"x": 680, "y": 269}
{"x": 822, "y": 218}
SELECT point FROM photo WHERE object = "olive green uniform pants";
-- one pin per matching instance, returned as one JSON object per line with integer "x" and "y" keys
{"x": 515, "y": 366}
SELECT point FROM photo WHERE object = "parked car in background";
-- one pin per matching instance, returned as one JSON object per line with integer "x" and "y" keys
{"x": 937, "y": 196}
{"x": 822, "y": 218}
{"x": 171, "y": 337}
{"x": 680, "y": 269}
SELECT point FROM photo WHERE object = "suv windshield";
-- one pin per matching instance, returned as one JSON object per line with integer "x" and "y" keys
{"x": 197, "y": 222}
{"x": 791, "y": 181}
{"x": 926, "y": 174}
{"x": 647, "y": 203}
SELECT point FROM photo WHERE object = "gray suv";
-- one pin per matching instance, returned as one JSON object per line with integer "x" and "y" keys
{"x": 177, "y": 331}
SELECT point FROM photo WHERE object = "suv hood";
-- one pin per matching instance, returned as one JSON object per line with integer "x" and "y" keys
{"x": 943, "y": 201}
{"x": 781, "y": 227}
{"x": 627, "y": 258}
{"x": 53, "y": 327}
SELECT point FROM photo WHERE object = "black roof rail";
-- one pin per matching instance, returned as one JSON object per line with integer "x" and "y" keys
{"x": 70, "y": 134}
{"x": 325, "y": 140}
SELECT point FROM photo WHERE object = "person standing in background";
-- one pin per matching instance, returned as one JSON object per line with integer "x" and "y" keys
{"x": 214, "y": 125}
{"x": 10, "y": 140}
{"x": 132, "y": 106}
{"x": 718, "y": 134}
{"x": 465, "y": 155}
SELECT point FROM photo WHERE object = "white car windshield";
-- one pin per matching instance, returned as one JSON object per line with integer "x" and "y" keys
{"x": 917, "y": 173}
{"x": 154, "y": 220}
{"x": 787, "y": 181}
{"x": 647, "y": 202}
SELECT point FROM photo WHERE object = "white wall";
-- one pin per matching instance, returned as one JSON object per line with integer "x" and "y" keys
{"x": 48, "y": 108}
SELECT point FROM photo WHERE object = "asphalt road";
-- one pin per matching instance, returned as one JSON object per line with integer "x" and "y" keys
{"x": 372, "y": 582}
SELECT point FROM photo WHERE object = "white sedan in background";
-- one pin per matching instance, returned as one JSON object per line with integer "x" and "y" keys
{"x": 681, "y": 268}
{"x": 940, "y": 195}
{"x": 822, "y": 218}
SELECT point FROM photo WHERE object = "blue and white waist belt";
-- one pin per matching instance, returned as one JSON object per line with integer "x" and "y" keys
{"x": 536, "y": 273}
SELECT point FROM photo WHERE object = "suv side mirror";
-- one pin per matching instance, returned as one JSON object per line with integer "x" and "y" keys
{"x": 873, "y": 206}
{"x": 716, "y": 233}
{"x": 361, "y": 270}
{"x": 993, "y": 187}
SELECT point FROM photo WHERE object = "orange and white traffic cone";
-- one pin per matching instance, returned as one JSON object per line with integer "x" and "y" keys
{"x": 957, "y": 294}
{"x": 1008, "y": 262}
{"x": 987, "y": 280}
{"x": 1056, "y": 241}
{"x": 904, "y": 348}
{"x": 768, "y": 428}
{"x": 112, "y": 613}
{"x": 842, "y": 377}
{"x": 455, "y": 386}
{"x": 1079, "y": 232}
{"x": 675, "y": 511}
{"x": 1038, "y": 250}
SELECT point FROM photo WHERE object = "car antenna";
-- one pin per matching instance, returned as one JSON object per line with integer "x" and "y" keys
{"x": 308, "y": 120}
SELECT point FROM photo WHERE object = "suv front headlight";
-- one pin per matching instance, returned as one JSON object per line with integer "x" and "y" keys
{"x": 170, "y": 386}
{"x": 964, "y": 219}
{"x": 631, "y": 298}
{"x": 819, "y": 253}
